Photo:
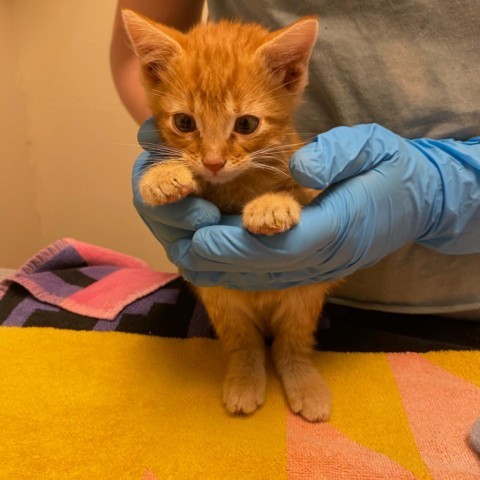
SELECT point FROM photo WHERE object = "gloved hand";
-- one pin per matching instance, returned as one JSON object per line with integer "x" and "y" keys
{"x": 382, "y": 192}
{"x": 174, "y": 221}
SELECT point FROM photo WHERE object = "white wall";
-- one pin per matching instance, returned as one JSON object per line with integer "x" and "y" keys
{"x": 66, "y": 143}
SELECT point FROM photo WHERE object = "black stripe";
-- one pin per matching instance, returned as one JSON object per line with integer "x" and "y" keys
{"x": 74, "y": 276}
{"x": 164, "y": 320}
{"x": 62, "y": 320}
{"x": 14, "y": 295}
{"x": 351, "y": 329}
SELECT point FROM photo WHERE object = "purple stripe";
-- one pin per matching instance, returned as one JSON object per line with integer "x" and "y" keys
{"x": 21, "y": 313}
{"x": 67, "y": 257}
{"x": 52, "y": 285}
{"x": 143, "y": 305}
{"x": 107, "y": 325}
{"x": 98, "y": 272}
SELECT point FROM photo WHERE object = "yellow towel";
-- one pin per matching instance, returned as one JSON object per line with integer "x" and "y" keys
{"x": 98, "y": 405}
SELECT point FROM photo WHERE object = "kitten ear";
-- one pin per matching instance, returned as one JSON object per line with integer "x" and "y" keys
{"x": 288, "y": 51}
{"x": 154, "y": 44}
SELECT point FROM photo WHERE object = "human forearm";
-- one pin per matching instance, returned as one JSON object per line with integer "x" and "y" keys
{"x": 181, "y": 14}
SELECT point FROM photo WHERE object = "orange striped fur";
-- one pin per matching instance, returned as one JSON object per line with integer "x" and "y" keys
{"x": 215, "y": 74}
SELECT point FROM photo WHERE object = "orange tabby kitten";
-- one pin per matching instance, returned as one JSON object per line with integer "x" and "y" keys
{"x": 223, "y": 96}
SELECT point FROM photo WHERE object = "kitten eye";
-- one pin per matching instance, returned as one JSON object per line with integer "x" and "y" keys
{"x": 185, "y": 123}
{"x": 246, "y": 124}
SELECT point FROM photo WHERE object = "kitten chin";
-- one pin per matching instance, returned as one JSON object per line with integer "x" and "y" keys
{"x": 229, "y": 90}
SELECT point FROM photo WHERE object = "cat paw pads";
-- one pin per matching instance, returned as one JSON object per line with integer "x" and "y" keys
{"x": 313, "y": 407}
{"x": 307, "y": 395}
{"x": 271, "y": 214}
{"x": 243, "y": 395}
{"x": 164, "y": 184}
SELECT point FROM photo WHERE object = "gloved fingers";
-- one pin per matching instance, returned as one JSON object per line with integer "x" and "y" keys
{"x": 341, "y": 153}
{"x": 147, "y": 136}
{"x": 326, "y": 269}
{"x": 167, "y": 235}
{"x": 230, "y": 248}
{"x": 232, "y": 253}
{"x": 332, "y": 239}
{"x": 188, "y": 214}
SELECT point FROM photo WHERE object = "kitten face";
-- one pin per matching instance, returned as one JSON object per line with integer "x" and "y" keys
{"x": 217, "y": 118}
{"x": 224, "y": 91}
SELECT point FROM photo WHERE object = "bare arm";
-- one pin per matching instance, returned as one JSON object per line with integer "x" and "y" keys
{"x": 181, "y": 14}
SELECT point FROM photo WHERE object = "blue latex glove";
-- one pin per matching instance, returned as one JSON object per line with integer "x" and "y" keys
{"x": 174, "y": 221}
{"x": 383, "y": 192}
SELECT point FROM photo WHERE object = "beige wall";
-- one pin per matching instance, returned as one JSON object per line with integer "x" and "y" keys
{"x": 67, "y": 145}
{"x": 19, "y": 216}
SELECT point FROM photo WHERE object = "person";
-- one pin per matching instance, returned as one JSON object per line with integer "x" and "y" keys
{"x": 394, "y": 104}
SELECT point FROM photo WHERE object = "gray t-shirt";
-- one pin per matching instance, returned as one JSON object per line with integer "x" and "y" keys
{"x": 412, "y": 66}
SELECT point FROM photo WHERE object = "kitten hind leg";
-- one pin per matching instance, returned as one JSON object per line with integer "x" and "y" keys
{"x": 306, "y": 392}
{"x": 295, "y": 320}
{"x": 245, "y": 381}
{"x": 244, "y": 345}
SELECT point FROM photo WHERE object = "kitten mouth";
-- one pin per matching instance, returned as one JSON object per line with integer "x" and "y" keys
{"x": 219, "y": 177}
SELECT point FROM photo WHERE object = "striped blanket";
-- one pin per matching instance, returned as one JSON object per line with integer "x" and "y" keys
{"x": 86, "y": 279}
{"x": 79, "y": 286}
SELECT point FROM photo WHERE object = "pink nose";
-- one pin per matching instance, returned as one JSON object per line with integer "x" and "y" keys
{"x": 214, "y": 165}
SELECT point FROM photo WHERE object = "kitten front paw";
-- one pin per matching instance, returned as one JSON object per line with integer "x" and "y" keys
{"x": 244, "y": 394}
{"x": 271, "y": 213}
{"x": 167, "y": 183}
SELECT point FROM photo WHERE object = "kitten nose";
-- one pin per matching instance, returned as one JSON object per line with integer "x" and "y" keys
{"x": 214, "y": 163}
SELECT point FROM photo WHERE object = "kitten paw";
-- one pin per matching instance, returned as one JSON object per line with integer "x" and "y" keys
{"x": 243, "y": 395}
{"x": 312, "y": 404}
{"x": 271, "y": 213}
{"x": 309, "y": 397}
{"x": 167, "y": 183}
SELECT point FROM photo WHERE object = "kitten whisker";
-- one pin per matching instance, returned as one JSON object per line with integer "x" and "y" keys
{"x": 261, "y": 166}
{"x": 162, "y": 147}
{"x": 154, "y": 147}
{"x": 267, "y": 157}
{"x": 157, "y": 149}
{"x": 282, "y": 148}
{"x": 164, "y": 154}
{"x": 303, "y": 133}
{"x": 155, "y": 160}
